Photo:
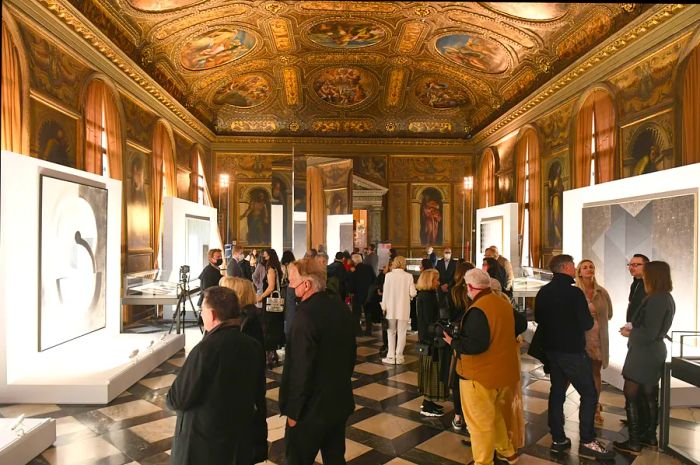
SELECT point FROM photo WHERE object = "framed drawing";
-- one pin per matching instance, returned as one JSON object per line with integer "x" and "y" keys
{"x": 54, "y": 133}
{"x": 73, "y": 256}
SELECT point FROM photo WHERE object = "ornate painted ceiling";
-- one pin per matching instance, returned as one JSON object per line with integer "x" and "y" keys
{"x": 375, "y": 69}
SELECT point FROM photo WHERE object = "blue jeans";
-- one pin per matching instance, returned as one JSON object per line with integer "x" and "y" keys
{"x": 566, "y": 368}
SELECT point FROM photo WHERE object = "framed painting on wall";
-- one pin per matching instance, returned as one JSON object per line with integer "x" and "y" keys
{"x": 555, "y": 180}
{"x": 430, "y": 212}
{"x": 137, "y": 187}
{"x": 73, "y": 259}
{"x": 336, "y": 201}
{"x": 254, "y": 213}
{"x": 648, "y": 146}
{"x": 54, "y": 132}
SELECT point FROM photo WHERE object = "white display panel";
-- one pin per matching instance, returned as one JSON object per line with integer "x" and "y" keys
{"x": 277, "y": 228}
{"x": 188, "y": 228}
{"x": 18, "y": 449}
{"x": 333, "y": 234}
{"x": 500, "y": 222}
{"x": 636, "y": 224}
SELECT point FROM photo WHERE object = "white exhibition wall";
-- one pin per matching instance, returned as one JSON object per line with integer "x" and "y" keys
{"x": 634, "y": 194}
{"x": 333, "y": 234}
{"x": 505, "y": 218}
{"x": 277, "y": 228}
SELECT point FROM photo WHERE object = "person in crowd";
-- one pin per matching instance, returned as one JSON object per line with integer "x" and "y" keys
{"x": 233, "y": 268}
{"x": 446, "y": 267}
{"x": 398, "y": 291}
{"x": 253, "y": 258}
{"x": 637, "y": 292}
{"x": 250, "y": 314}
{"x": 430, "y": 380}
{"x": 376, "y": 304}
{"x": 487, "y": 365}
{"x": 347, "y": 261}
{"x": 289, "y": 299}
{"x": 426, "y": 264}
{"x": 316, "y": 389}
{"x": 495, "y": 270}
{"x": 338, "y": 276}
{"x": 600, "y": 306}
{"x": 322, "y": 258}
{"x": 311, "y": 253}
{"x": 372, "y": 259}
{"x": 274, "y": 321}
{"x": 392, "y": 253}
{"x": 563, "y": 317}
{"x": 458, "y": 304}
{"x": 492, "y": 252}
{"x": 258, "y": 276}
{"x": 360, "y": 280}
{"x": 219, "y": 394}
{"x": 211, "y": 274}
{"x": 431, "y": 255}
{"x": 646, "y": 355}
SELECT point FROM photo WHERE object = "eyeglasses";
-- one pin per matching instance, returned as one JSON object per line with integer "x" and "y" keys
{"x": 634, "y": 265}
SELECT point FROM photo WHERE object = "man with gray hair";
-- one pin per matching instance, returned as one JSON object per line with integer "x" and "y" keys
{"x": 563, "y": 318}
{"x": 316, "y": 389}
{"x": 487, "y": 365}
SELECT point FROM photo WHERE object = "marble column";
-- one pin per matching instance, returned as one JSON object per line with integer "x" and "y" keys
{"x": 375, "y": 224}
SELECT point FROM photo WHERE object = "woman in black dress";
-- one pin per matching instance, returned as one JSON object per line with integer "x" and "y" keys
{"x": 496, "y": 271}
{"x": 646, "y": 356}
{"x": 273, "y": 322}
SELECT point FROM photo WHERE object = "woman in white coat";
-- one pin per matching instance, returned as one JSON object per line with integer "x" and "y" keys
{"x": 396, "y": 304}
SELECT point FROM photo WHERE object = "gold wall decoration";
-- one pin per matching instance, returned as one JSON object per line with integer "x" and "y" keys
{"x": 291, "y": 86}
{"x": 195, "y": 18}
{"x": 647, "y": 145}
{"x": 244, "y": 165}
{"x": 555, "y": 126}
{"x": 518, "y": 84}
{"x": 53, "y": 133}
{"x": 140, "y": 123}
{"x": 365, "y": 7}
{"x": 580, "y": 40}
{"x": 346, "y": 58}
{"x": 410, "y": 168}
{"x": 356, "y": 126}
{"x": 410, "y": 35}
{"x": 372, "y": 168}
{"x": 280, "y": 34}
{"x": 395, "y": 92}
{"x": 398, "y": 214}
{"x": 267, "y": 125}
{"x": 430, "y": 126}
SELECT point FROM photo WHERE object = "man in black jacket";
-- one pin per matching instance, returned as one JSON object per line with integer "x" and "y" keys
{"x": 359, "y": 281}
{"x": 446, "y": 267}
{"x": 211, "y": 274}
{"x": 337, "y": 272}
{"x": 316, "y": 389}
{"x": 562, "y": 314}
{"x": 637, "y": 292}
{"x": 219, "y": 394}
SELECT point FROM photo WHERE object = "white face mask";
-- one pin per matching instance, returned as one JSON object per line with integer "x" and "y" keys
{"x": 448, "y": 255}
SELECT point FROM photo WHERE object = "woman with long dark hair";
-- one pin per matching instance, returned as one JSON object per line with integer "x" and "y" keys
{"x": 290, "y": 302}
{"x": 646, "y": 356}
{"x": 273, "y": 321}
{"x": 496, "y": 271}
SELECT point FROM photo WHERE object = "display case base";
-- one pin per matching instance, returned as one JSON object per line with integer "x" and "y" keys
{"x": 39, "y": 434}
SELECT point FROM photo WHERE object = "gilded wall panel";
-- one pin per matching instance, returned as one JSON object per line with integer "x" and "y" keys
{"x": 182, "y": 150}
{"x": 398, "y": 213}
{"x": 554, "y": 127}
{"x": 371, "y": 168}
{"x": 140, "y": 123}
{"x": 647, "y": 145}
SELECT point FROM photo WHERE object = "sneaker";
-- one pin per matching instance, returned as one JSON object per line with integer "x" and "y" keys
{"x": 433, "y": 405}
{"x": 558, "y": 447}
{"x": 595, "y": 450}
{"x": 389, "y": 360}
{"x": 457, "y": 424}
{"x": 510, "y": 460}
{"x": 429, "y": 411}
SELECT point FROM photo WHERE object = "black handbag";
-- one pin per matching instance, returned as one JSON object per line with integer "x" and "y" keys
{"x": 422, "y": 349}
{"x": 536, "y": 349}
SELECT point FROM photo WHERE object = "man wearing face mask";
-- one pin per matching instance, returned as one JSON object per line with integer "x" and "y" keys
{"x": 487, "y": 365}
{"x": 446, "y": 269}
{"x": 316, "y": 389}
{"x": 211, "y": 274}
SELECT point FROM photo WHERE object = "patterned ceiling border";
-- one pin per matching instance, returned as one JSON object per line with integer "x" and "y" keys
{"x": 604, "y": 54}
{"x": 65, "y": 13}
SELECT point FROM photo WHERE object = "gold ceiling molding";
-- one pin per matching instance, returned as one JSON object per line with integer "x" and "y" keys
{"x": 292, "y": 89}
{"x": 355, "y": 7}
{"x": 296, "y": 141}
{"x": 410, "y": 35}
{"x": 226, "y": 74}
{"x": 397, "y": 79}
{"x": 135, "y": 73}
{"x": 194, "y": 20}
{"x": 280, "y": 34}
{"x": 467, "y": 17}
{"x": 344, "y": 58}
{"x": 608, "y": 51}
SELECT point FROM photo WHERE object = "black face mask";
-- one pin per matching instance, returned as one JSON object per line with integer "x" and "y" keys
{"x": 219, "y": 261}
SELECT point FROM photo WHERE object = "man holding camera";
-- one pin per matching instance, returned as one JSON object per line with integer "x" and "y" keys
{"x": 487, "y": 365}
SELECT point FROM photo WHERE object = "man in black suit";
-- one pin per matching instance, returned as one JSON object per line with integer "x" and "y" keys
{"x": 233, "y": 268}
{"x": 372, "y": 259}
{"x": 359, "y": 281}
{"x": 219, "y": 394}
{"x": 446, "y": 268}
{"x": 338, "y": 276}
{"x": 211, "y": 274}
{"x": 316, "y": 389}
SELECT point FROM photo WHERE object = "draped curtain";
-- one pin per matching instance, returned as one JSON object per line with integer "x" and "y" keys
{"x": 11, "y": 113}
{"x": 100, "y": 99}
{"x": 316, "y": 208}
{"x": 194, "y": 174}
{"x": 605, "y": 140}
{"x": 520, "y": 151}
{"x": 163, "y": 172}
{"x": 487, "y": 184}
{"x": 535, "y": 230}
{"x": 691, "y": 108}
{"x": 582, "y": 145}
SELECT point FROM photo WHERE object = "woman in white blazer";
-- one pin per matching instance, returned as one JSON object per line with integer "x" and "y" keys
{"x": 396, "y": 304}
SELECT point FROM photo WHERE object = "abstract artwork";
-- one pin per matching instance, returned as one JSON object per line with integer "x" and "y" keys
{"x": 346, "y": 34}
{"x": 473, "y": 52}
{"x": 436, "y": 93}
{"x": 215, "y": 48}
{"x": 247, "y": 91}
{"x": 662, "y": 228}
{"x": 73, "y": 261}
{"x": 343, "y": 87}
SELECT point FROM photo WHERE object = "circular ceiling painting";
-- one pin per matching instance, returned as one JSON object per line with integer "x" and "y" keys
{"x": 346, "y": 34}
{"x": 436, "y": 93}
{"x": 215, "y": 48}
{"x": 246, "y": 91}
{"x": 343, "y": 87}
{"x": 531, "y": 11}
{"x": 161, "y": 5}
{"x": 473, "y": 52}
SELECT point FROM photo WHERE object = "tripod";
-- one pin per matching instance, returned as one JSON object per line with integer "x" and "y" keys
{"x": 181, "y": 307}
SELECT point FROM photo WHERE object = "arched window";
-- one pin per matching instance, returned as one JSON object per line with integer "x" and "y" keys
{"x": 528, "y": 197}
{"x": 103, "y": 137}
{"x": 13, "y": 131}
{"x": 594, "y": 143}
{"x": 487, "y": 180}
{"x": 691, "y": 108}
{"x": 164, "y": 178}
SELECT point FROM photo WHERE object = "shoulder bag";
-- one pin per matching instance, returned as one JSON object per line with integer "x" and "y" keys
{"x": 275, "y": 301}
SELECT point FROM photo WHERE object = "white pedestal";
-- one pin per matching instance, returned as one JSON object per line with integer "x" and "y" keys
{"x": 39, "y": 434}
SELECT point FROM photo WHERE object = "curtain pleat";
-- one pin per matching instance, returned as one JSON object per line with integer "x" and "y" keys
{"x": 316, "y": 208}
{"x": 487, "y": 173}
{"x": 535, "y": 231}
{"x": 520, "y": 151}
{"x": 162, "y": 150}
{"x": 582, "y": 145}
{"x": 194, "y": 173}
{"x": 605, "y": 137}
{"x": 691, "y": 109}
{"x": 11, "y": 113}
{"x": 93, "y": 127}
{"x": 114, "y": 134}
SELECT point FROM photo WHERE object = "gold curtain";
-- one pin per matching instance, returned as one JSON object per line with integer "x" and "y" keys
{"x": 113, "y": 129}
{"x": 11, "y": 113}
{"x": 316, "y": 208}
{"x": 162, "y": 157}
{"x": 487, "y": 191}
{"x": 691, "y": 108}
{"x": 520, "y": 151}
{"x": 534, "y": 198}
{"x": 93, "y": 127}
{"x": 605, "y": 137}
{"x": 194, "y": 173}
{"x": 582, "y": 145}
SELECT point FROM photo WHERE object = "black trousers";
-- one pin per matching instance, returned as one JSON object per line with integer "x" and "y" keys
{"x": 307, "y": 438}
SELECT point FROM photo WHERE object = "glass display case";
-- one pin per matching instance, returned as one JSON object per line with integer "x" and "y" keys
{"x": 157, "y": 287}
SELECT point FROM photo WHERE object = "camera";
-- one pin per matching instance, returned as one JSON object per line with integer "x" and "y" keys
{"x": 184, "y": 273}
{"x": 184, "y": 269}
{"x": 441, "y": 327}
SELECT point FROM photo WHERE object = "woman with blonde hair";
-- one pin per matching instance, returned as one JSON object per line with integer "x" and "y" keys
{"x": 396, "y": 304}
{"x": 431, "y": 383}
{"x": 250, "y": 318}
{"x": 600, "y": 306}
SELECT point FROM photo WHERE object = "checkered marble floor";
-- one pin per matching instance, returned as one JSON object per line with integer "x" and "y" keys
{"x": 386, "y": 427}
